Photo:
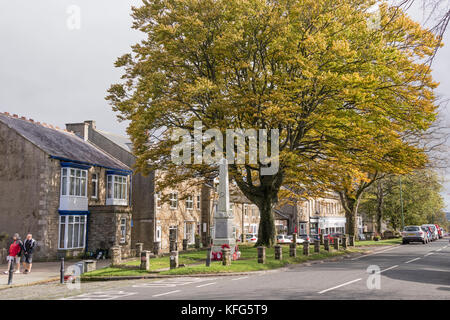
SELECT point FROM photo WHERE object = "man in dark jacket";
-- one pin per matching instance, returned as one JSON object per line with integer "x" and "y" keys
{"x": 27, "y": 257}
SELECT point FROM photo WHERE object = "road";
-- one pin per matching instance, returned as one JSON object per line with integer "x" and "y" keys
{"x": 412, "y": 271}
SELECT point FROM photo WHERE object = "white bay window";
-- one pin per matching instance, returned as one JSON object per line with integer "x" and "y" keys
{"x": 117, "y": 190}
{"x": 72, "y": 231}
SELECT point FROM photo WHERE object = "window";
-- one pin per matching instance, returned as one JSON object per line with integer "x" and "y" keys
{"x": 73, "y": 182}
{"x": 190, "y": 202}
{"x": 198, "y": 202}
{"x": 116, "y": 190}
{"x": 72, "y": 232}
{"x": 173, "y": 200}
{"x": 189, "y": 232}
{"x": 94, "y": 186}
{"x": 245, "y": 210}
{"x": 123, "y": 230}
{"x": 158, "y": 199}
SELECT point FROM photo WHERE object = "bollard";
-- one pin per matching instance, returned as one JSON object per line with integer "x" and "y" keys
{"x": 336, "y": 244}
{"x": 321, "y": 239}
{"x": 351, "y": 241}
{"x": 173, "y": 259}
{"x": 61, "y": 277}
{"x": 208, "y": 256}
{"x": 292, "y": 250}
{"x": 326, "y": 244}
{"x": 306, "y": 248}
{"x": 226, "y": 257}
{"x": 317, "y": 246}
{"x": 11, "y": 271}
{"x": 278, "y": 252}
{"x": 145, "y": 260}
{"x": 139, "y": 248}
{"x": 185, "y": 244}
{"x": 156, "y": 248}
{"x": 344, "y": 242}
{"x": 262, "y": 255}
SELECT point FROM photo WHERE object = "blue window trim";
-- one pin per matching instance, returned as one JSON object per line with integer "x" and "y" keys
{"x": 90, "y": 164}
{"x": 73, "y": 213}
{"x": 74, "y": 165}
{"x": 117, "y": 173}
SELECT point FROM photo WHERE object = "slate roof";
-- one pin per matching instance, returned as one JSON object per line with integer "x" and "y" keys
{"x": 61, "y": 144}
{"x": 122, "y": 141}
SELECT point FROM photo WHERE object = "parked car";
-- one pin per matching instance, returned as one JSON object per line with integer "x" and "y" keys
{"x": 440, "y": 235}
{"x": 299, "y": 240}
{"x": 414, "y": 234}
{"x": 305, "y": 237}
{"x": 282, "y": 238}
{"x": 314, "y": 236}
{"x": 433, "y": 229}
{"x": 332, "y": 236}
{"x": 252, "y": 237}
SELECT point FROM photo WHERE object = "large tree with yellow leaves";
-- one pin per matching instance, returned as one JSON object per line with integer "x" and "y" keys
{"x": 325, "y": 73}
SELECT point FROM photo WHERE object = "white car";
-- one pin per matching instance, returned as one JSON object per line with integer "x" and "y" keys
{"x": 299, "y": 240}
{"x": 282, "y": 238}
{"x": 252, "y": 237}
{"x": 414, "y": 234}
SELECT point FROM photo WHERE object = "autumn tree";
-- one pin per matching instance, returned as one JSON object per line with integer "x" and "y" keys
{"x": 315, "y": 70}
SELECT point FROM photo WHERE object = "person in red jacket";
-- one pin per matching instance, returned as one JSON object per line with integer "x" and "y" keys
{"x": 14, "y": 253}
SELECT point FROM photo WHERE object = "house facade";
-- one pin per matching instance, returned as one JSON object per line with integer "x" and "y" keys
{"x": 70, "y": 195}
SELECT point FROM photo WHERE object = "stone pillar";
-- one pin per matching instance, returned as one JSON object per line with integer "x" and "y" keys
{"x": 157, "y": 248}
{"x": 226, "y": 257}
{"x": 317, "y": 246}
{"x": 139, "y": 248}
{"x": 173, "y": 245}
{"x": 278, "y": 252}
{"x": 321, "y": 239}
{"x": 185, "y": 244}
{"x": 293, "y": 250}
{"x": 208, "y": 256}
{"x": 90, "y": 265}
{"x": 344, "y": 242}
{"x": 262, "y": 255}
{"x": 173, "y": 259}
{"x": 145, "y": 260}
{"x": 336, "y": 244}
{"x": 116, "y": 255}
{"x": 326, "y": 244}
{"x": 306, "y": 248}
{"x": 351, "y": 242}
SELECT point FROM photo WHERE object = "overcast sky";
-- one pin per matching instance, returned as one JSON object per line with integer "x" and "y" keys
{"x": 56, "y": 71}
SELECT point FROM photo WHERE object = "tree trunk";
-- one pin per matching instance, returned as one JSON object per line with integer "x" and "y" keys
{"x": 266, "y": 231}
{"x": 351, "y": 213}
{"x": 380, "y": 200}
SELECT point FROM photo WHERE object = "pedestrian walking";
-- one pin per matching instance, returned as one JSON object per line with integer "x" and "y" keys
{"x": 15, "y": 250}
{"x": 28, "y": 249}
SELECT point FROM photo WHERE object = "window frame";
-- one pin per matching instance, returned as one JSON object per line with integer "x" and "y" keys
{"x": 94, "y": 181}
{"x": 73, "y": 181}
{"x": 171, "y": 199}
{"x": 117, "y": 190}
{"x": 190, "y": 200}
{"x": 123, "y": 230}
{"x": 82, "y": 220}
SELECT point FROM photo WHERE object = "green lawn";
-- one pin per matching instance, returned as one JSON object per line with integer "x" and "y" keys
{"x": 379, "y": 243}
{"x": 195, "y": 262}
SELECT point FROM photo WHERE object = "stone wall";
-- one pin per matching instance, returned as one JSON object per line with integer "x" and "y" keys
{"x": 104, "y": 228}
{"x": 29, "y": 192}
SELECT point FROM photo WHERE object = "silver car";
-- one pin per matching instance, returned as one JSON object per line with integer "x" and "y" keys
{"x": 414, "y": 234}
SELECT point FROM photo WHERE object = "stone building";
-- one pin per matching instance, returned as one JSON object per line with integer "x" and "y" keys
{"x": 70, "y": 194}
{"x": 314, "y": 216}
{"x": 154, "y": 220}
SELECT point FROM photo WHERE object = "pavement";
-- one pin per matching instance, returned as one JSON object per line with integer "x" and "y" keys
{"x": 41, "y": 272}
{"x": 413, "y": 271}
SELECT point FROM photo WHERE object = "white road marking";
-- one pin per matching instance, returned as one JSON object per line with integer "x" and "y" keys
{"x": 371, "y": 254}
{"x": 239, "y": 278}
{"x": 170, "y": 283}
{"x": 206, "y": 284}
{"x": 439, "y": 250}
{"x": 415, "y": 259}
{"x": 428, "y": 254}
{"x": 166, "y": 293}
{"x": 108, "y": 295}
{"x": 339, "y": 286}
{"x": 390, "y": 268}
